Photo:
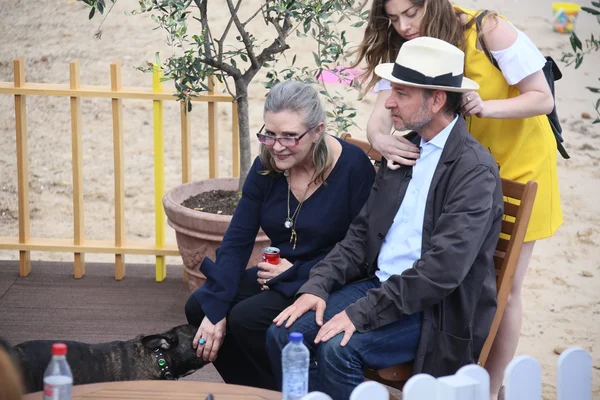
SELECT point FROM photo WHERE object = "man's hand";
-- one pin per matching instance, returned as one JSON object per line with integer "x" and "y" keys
{"x": 268, "y": 271}
{"x": 212, "y": 338}
{"x": 305, "y": 303}
{"x": 340, "y": 323}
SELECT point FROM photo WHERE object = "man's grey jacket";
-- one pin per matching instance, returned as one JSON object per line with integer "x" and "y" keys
{"x": 454, "y": 282}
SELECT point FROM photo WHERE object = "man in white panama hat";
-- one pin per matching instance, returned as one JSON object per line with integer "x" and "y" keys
{"x": 414, "y": 277}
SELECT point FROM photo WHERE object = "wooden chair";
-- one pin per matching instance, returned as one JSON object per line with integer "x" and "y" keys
{"x": 518, "y": 204}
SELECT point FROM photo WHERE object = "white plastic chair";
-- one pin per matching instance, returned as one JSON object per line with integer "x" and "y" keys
{"x": 316, "y": 396}
{"x": 370, "y": 390}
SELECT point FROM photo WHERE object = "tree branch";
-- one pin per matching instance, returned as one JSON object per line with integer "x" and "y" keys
{"x": 243, "y": 34}
{"x": 226, "y": 31}
{"x": 98, "y": 34}
{"x": 255, "y": 14}
{"x": 278, "y": 46}
{"x": 202, "y": 7}
{"x": 221, "y": 66}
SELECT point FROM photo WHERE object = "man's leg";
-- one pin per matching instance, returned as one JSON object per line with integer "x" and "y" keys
{"x": 341, "y": 368}
{"x": 277, "y": 337}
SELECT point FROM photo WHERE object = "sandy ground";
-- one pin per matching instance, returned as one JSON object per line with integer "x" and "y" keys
{"x": 562, "y": 303}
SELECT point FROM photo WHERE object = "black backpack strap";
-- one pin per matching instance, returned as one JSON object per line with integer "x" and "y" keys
{"x": 551, "y": 72}
{"x": 478, "y": 24}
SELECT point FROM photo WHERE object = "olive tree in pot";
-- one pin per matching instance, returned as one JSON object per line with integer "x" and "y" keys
{"x": 229, "y": 52}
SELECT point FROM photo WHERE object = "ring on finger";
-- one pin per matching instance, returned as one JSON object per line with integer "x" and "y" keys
{"x": 468, "y": 99}
{"x": 201, "y": 341}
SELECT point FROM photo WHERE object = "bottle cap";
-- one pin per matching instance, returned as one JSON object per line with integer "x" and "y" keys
{"x": 59, "y": 349}
{"x": 296, "y": 337}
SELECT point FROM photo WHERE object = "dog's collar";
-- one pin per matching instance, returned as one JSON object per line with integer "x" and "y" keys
{"x": 161, "y": 361}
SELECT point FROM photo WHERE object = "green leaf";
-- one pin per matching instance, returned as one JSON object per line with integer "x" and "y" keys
{"x": 593, "y": 89}
{"x": 317, "y": 59}
{"x": 92, "y": 12}
{"x": 358, "y": 24}
{"x": 578, "y": 60}
{"x": 596, "y": 4}
{"x": 591, "y": 10}
{"x": 575, "y": 42}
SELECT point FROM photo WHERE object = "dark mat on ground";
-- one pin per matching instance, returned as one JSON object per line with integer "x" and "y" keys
{"x": 51, "y": 304}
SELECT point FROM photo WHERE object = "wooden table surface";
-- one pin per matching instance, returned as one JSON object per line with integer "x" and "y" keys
{"x": 164, "y": 390}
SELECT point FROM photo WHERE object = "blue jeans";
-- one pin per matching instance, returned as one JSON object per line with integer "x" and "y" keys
{"x": 337, "y": 370}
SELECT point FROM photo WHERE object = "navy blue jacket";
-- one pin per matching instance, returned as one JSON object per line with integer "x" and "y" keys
{"x": 322, "y": 221}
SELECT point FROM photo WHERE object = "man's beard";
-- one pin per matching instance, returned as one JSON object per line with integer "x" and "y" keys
{"x": 422, "y": 118}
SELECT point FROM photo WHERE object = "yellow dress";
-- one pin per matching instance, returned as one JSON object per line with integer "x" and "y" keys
{"x": 525, "y": 149}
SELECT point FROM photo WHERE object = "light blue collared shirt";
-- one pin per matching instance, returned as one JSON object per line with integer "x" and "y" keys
{"x": 402, "y": 244}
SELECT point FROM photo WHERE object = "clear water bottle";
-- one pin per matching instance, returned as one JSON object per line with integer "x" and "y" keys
{"x": 58, "y": 380}
{"x": 294, "y": 361}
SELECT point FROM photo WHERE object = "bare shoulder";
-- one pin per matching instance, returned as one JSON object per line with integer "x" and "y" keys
{"x": 498, "y": 33}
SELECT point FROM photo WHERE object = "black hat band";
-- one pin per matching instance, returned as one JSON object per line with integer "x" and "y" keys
{"x": 413, "y": 76}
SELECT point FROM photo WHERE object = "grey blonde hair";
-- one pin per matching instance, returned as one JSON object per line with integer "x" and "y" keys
{"x": 304, "y": 100}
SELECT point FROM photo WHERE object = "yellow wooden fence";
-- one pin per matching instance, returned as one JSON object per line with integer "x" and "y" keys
{"x": 120, "y": 246}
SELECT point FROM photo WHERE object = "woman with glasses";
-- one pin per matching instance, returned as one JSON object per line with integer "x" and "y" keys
{"x": 303, "y": 190}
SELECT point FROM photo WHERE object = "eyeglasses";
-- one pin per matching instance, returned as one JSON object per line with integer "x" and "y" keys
{"x": 288, "y": 141}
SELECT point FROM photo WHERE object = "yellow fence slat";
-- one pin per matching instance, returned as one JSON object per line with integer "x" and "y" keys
{"x": 159, "y": 174}
{"x": 119, "y": 166}
{"x": 53, "y": 89}
{"x": 22, "y": 165}
{"x": 213, "y": 143}
{"x": 77, "y": 162}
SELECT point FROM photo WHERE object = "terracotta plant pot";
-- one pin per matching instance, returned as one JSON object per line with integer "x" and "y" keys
{"x": 199, "y": 233}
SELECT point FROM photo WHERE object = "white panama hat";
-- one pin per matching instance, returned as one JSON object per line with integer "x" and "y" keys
{"x": 428, "y": 63}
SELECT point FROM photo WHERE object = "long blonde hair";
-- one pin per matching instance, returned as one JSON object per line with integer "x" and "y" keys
{"x": 381, "y": 42}
{"x": 304, "y": 100}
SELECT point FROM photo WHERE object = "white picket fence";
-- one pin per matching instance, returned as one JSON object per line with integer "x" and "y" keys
{"x": 523, "y": 381}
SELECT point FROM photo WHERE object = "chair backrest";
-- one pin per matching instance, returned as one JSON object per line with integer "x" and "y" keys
{"x": 373, "y": 154}
{"x": 518, "y": 204}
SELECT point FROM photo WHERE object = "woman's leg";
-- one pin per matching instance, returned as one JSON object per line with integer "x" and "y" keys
{"x": 248, "y": 323}
{"x": 230, "y": 353}
{"x": 506, "y": 341}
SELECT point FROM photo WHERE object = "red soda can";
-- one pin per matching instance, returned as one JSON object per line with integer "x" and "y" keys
{"x": 270, "y": 255}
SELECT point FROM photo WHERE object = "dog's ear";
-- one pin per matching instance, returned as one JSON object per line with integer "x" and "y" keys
{"x": 163, "y": 341}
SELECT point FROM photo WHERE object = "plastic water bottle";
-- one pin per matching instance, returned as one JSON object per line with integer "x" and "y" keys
{"x": 58, "y": 380}
{"x": 294, "y": 361}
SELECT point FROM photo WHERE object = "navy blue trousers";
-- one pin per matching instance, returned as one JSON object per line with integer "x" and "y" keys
{"x": 337, "y": 370}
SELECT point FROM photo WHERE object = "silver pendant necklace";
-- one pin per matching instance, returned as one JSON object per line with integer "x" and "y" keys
{"x": 290, "y": 221}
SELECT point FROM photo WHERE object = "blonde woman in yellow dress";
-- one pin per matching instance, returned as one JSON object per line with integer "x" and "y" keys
{"x": 507, "y": 115}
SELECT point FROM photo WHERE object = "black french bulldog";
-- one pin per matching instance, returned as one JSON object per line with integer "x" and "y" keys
{"x": 136, "y": 359}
